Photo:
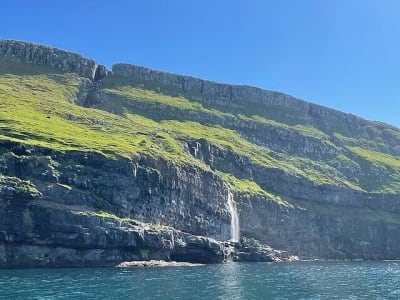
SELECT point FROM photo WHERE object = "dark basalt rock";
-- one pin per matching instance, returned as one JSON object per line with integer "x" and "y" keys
{"x": 252, "y": 250}
{"x": 48, "y": 235}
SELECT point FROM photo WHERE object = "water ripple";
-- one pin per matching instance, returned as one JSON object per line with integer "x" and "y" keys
{"x": 302, "y": 280}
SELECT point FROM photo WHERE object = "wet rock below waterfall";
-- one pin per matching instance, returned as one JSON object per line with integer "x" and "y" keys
{"x": 252, "y": 250}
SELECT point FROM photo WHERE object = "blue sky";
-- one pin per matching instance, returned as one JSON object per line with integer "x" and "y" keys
{"x": 344, "y": 54}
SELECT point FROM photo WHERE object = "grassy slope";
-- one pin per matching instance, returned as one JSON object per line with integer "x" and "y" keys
{"x": 36, "y": 107}
{"x": 38, "y": 110}
{"x": 355, "y": 152}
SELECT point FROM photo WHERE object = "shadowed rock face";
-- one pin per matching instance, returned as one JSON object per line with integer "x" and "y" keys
{"x": 56, "y": 236}
{"x": 147, "y": 190}
{"x": 77, "y": 208}
{"x": 59, "y": 226}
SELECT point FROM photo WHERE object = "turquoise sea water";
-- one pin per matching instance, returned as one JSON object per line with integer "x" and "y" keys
{"x": 300, "y": 280}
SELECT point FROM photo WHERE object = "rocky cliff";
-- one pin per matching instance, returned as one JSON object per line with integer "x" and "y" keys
{"x": 47, "y": 56}
{"x": 98, "y": 167}
{"x": 251, "y": 100}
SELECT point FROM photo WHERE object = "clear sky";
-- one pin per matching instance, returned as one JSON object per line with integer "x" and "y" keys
{"x": 344, "y": 54}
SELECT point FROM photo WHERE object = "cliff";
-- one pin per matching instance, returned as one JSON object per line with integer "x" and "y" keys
{"x": 99, "y": 167}
{"x": 48, "y": 56}
{"x": 251, "y": 100}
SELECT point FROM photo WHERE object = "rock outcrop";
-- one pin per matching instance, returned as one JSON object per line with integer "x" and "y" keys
{"x": 48, "y": 56}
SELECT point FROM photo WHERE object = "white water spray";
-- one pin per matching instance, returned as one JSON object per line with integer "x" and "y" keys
{"x": 235, "y": 228}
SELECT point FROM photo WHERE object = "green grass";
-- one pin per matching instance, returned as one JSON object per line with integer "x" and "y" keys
{"x": 365, "y": 142}
{"x": 318, "y": 171}
{"x": 230, "y": 140}
{"x": 107, "y": 215}
{"x": 376, "y": 157}
{"x": 381, "y": 171}
{"x": 189, "y": 107}
{"x": 20, "y": 186}
{"x": 251, "y": 188}
{"x": 149, "y": 96}
{"x": 305, "y": 130}
{"x": 104, "y": 214}
{"x": 65, "y": 186}
{"x": 37, "y": 108}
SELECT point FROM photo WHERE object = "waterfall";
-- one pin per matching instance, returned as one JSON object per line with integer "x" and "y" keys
{"x": 235, "y": 229}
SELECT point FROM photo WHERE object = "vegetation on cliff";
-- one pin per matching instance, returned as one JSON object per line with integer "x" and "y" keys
{"x": 127, "y": 119}
{"x": 167, "y": 149}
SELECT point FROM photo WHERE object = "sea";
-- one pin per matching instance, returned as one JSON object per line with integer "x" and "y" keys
{"x": 295, "y": 280}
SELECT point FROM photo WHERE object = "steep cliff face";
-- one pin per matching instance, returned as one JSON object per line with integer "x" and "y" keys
{"x": 249, "y": 100}
{"x": 97, "y": 167}
{"x": 146, "y": 189}
{"x": 310, "y": 220}
{"x": 51, "y": 57}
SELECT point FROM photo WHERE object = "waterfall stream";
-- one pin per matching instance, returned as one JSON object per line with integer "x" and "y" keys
{"x": 235, "y": 229}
